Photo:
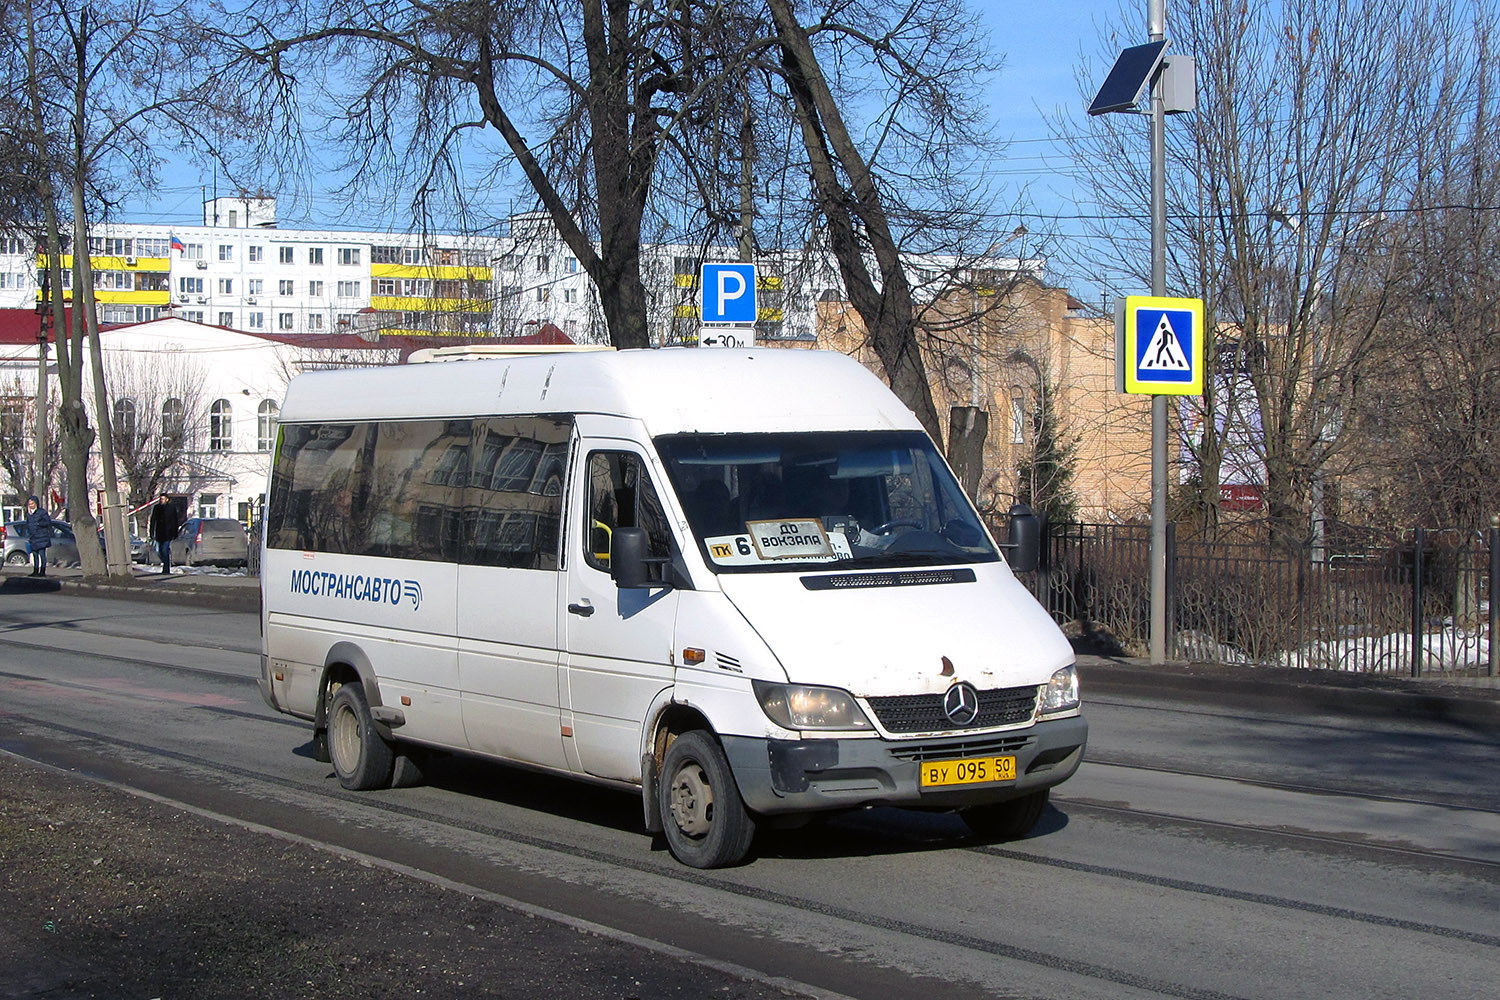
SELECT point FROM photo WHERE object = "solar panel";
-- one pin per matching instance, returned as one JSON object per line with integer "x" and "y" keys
{"x": 1129, "y": 78}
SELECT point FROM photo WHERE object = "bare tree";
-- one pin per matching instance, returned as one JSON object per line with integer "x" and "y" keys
{"x": 158, "y": 413}
{"x": 1432, "y": 422}
{"x": 98, "y": 84}
{"x": 1310, "y": 117}
{"x": 18, "y": 429}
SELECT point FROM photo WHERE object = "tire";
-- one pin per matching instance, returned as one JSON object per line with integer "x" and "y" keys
{"x": 705, "y": 820}
{"x": 1007, "y": 820}
{"x": 17, "y": 558}
{"x": 361, "y": 758}
{"x": 410, "y": 770}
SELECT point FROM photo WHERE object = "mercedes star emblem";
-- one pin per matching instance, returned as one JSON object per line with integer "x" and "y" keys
{"x": 961, "y": 704}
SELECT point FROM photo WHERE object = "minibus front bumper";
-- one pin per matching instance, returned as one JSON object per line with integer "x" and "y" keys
{"x": 791, "y": 776}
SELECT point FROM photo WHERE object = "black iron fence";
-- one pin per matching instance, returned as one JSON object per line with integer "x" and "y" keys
{"x": 1416, "y": 604}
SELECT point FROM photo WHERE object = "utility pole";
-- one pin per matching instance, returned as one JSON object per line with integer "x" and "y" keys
{"x": 1156, "y": 24}
{"x": 39, "y": 453}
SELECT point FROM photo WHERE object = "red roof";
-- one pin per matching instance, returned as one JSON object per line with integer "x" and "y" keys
{"x": 20, "y": 326}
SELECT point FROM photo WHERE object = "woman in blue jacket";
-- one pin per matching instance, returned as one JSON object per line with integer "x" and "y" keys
{"x": 38, "y": 535}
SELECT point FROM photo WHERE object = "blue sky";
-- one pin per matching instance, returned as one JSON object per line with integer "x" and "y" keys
{"x": 1042, "y": 42}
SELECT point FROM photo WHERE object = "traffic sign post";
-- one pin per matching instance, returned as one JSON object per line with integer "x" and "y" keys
{"x": 1159, "y": 346}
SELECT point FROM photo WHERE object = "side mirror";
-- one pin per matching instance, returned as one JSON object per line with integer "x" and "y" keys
{"x": 1023, "y": 543}
{"x": 630, "y": 567}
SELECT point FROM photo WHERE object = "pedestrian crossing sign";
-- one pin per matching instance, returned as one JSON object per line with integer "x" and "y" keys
{"x": 1159, "y": 345}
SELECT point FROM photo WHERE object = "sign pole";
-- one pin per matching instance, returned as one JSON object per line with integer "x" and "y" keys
{"x": 1156, "y": 16}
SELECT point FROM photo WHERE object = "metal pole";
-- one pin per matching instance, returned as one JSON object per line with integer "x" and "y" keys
{"x": 1490, "y": 590}
{"x": 1417, "y": 597}
{"x": 1156, "y": 16}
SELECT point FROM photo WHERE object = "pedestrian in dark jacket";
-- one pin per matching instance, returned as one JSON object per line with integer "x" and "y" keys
{"x": 38, "y": 535}
{"x": 163, "y": 529}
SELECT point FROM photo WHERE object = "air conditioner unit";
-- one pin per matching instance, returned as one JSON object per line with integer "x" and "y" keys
{"x": 250, "y": 299}
{"x": 203, "y": 265}
{"x": 182, "y": 298}
{"x": 130, "y": 262}
{"x": 202, "y": 299}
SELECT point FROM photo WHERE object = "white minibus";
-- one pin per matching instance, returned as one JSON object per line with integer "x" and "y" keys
{"x": 742, "y": 583}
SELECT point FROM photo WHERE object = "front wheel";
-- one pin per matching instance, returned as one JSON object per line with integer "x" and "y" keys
{"x": 361, "y": 758}
{"x": 17, "y": 558}
{"x": 1007, "y": 820}
{"x": 705, "y": 820}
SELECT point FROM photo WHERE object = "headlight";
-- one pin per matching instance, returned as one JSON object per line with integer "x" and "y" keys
{"x": 796, "y": 706}
{"x": 1061, "y": 693}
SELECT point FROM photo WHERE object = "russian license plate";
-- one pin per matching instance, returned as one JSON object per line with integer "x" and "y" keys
{"x": 971, "y": 771}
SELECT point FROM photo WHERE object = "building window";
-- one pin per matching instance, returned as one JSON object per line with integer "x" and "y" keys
{"x": 208, "y": 505}
{"x": 219, "y": 425}
{"x": 257, "y": 254}
{"x": 571, "y": 265}
{"x": 570, "y": 295}
{"x": 1017, "y": 415}
{"x": 193, "y": 315}
{"x": 283, "y": 321}
{"x": 257, "y": 321}
{"x": 286, "y": 255}
{"x": 190, "y": 286}
{"x": 385, "y": 255}
{"x": 124, "y": 422}
{"x": 315, "y": 289}
{"x": 413, "y": 255}
{"x": 286, "y": 286}
{"x": 348, "y": 255}
{"x": 543, "y": 263}
{"x": 543, "y": 294}
{"x": 226, "y": 251}
{"x": 172, "y": 421}
{"x": 315, "y": 321}
{"x": 348, "y": 289}
{"x": 315, "y": 255}
{"x": 254, "y": 286}
{"x": 385, "y": 286}
{"x": 192, "y": 251}
{"x": 226, "y": 286}
{"x": 226, "y": 319}
{"x": 265, "y": 424}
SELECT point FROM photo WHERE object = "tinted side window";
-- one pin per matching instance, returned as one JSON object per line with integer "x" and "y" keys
{"x": 312, "y": 487}
{"x": 621, "y": 496}
{"x": 408, "y": 501}
{"x": 513, "y": 507}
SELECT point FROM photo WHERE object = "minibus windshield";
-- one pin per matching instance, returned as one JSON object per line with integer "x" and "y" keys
{"x": 766, "y": 502}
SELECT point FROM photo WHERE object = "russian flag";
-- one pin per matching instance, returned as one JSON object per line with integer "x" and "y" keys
{"x": 178, "y": 245}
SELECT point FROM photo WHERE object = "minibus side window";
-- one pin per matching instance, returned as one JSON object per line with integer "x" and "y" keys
{"x": 620, "y": 494}
{"x": 513, "y": 510}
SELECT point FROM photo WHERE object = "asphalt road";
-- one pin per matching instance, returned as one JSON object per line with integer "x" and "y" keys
{"x": 1206, "y": 849}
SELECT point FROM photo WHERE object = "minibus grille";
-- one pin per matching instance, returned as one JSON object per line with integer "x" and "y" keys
{"x": 956, "y": 749}
{"x": 923, "y": 713}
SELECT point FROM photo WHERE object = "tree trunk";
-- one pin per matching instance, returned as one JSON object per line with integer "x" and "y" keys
{"x": 887, "y": 311}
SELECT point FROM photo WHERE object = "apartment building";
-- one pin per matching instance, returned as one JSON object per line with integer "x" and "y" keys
{"x": 240, "y": 271}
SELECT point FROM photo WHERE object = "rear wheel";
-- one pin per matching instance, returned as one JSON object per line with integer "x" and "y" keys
{"x": 361, "y": 758}
{"x": 705, "y": 820}
{"x": 1007, "y": 820}
{"x": 17, "y": 558}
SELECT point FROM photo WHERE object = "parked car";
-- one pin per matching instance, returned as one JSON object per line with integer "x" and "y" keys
{"x": 208, "y": 541}
{"x": 63, "y": 552}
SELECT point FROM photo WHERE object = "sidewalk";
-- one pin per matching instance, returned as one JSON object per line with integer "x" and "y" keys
{"x": 1464, "y": 700}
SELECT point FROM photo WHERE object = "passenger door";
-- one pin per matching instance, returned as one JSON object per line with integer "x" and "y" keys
{"x": 509, "y": 586}
{"x": 618, "y": 643}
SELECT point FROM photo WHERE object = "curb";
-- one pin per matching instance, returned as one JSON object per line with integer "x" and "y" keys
{"x": 1300, "y": 691}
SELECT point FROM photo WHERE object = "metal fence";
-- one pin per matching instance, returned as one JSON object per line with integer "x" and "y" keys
{"x": 1417, "y": 604}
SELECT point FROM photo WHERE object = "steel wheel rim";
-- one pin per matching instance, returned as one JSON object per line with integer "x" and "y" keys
{"x": 692, "y": 800}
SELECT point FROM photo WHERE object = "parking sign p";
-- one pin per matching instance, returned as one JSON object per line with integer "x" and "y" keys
{"x": 728, "y": 293}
